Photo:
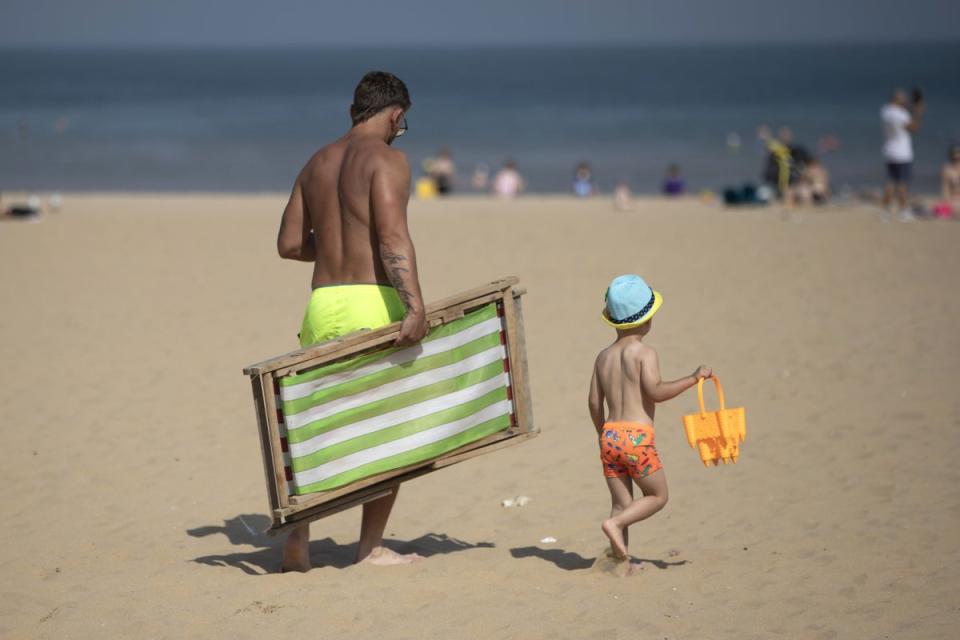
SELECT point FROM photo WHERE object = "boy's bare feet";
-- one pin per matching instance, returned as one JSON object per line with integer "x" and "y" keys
{"x": 606, "y": 563}
{"x": 615, "y": 533}
{"x": 381, "y": 556}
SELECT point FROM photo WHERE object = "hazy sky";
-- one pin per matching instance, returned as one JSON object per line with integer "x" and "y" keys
{"x": 241, "y": 23}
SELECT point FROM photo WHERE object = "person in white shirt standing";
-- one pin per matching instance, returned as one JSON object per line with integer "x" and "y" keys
{"x": 900, "y": 119}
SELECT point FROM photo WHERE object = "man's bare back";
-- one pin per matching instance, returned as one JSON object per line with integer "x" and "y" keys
{"x": 334, "y": 191}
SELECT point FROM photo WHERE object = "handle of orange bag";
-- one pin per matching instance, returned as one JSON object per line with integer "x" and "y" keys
{"x": 716, "y": 383}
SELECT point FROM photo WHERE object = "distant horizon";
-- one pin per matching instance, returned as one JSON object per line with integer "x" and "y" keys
{"x": 607, "y": 44}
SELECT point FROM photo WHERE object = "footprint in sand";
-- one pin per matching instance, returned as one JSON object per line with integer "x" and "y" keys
{"x": 607, "y": 564}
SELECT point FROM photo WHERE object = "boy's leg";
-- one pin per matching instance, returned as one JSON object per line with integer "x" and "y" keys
{"x": 621, "y": 497}
{"x": 654, "y": 488}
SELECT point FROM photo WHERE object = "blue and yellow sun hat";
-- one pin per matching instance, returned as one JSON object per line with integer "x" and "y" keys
{"x": 630, "y": 302}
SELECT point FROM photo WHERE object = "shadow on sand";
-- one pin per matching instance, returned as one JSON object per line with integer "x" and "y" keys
{"x": 248, "y": 530}
{"x": 570, "y": 561}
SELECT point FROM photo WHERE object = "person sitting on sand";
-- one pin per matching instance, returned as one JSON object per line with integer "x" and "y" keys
{"x": 583, "y": 184}
{"x": 29, "y": 212}
{"x": 626, "y": 376}
{"x": 813, "y": 188}
{"x": 443, "y": 171}
{"x": 673, "y": 183}
{"x": 508, "y": 183}
{"x": 622, "y": 197}
{"x": 950, "y": 182}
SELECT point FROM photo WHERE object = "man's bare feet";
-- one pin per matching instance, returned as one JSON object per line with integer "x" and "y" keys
{"x": 381, "y": 556}
{"x": 296, "y": 551}
{"x": 615, "y": 534}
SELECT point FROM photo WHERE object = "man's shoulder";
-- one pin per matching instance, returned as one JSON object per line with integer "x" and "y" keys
{"x": 323, "y": 156}
{"x": 388, "y": 155}
{"x": 377, "y": 155}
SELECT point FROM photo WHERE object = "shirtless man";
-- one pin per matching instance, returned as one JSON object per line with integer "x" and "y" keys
{"x": 347, "y": 215}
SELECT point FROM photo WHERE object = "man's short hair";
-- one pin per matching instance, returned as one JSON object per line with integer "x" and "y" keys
{"x": 377, "y": 91}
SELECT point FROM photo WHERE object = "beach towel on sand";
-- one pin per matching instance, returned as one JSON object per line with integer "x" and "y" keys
{"x": 378, "y": 412}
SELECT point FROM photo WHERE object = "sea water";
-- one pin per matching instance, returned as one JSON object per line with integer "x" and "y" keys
{"x": 247, "y": 120}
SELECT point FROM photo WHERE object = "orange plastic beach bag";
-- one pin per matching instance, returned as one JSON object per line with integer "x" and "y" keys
{"x": 716, "y": 434}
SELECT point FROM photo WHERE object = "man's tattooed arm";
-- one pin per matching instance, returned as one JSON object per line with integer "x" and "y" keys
{"x": 402, "y": 273}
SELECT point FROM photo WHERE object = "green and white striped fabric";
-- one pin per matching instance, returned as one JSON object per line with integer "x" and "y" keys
{"x": 374, "y": 413}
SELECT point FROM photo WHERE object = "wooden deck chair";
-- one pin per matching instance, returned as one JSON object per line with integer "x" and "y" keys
{"x": 343, "y": 421}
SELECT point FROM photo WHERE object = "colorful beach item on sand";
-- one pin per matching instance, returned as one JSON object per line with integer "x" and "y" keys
{"x": 374, "y": 413}
{"x": 716, "y": 434}
{"x": 344, "y": 421}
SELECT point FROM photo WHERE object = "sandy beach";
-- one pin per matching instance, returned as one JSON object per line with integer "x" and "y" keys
{"x": 132, "y": 485}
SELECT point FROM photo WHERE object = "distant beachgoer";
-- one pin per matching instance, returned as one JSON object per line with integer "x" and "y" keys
{"x": 776, "y": 171}
{"x": 583, "y": 185}
{"x": 673, "y": 183}
{"x": 785, "y": 163}
{"x": 508, "y": 183}
{"x": 814, "y": 184}
{"x": 950, "y": 185}
{"x": 480, "y": 179}
{"x": 443, "y": 171}
{"x": 898, "y": 123}
{"x": 20, "y": 212}
{"x": 799, "y": 155}
{"x": 626, "y": 378}
{"x": 622, "y": 197}
{"x": 29, "y": 211}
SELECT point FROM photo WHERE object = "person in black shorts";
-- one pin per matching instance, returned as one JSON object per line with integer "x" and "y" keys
{"x": 901, "y": 117}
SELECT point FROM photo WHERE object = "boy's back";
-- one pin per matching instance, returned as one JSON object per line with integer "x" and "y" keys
{"x": 619, "y": 369}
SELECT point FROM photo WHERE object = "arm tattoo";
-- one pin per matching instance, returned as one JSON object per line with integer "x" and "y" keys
{"x": 397, "y": 274}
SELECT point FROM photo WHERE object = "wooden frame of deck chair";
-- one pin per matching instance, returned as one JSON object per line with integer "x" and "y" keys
{"x": 319, "y": 406}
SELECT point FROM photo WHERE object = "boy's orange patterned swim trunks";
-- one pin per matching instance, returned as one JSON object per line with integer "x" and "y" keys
{"x": 628, "y": 448}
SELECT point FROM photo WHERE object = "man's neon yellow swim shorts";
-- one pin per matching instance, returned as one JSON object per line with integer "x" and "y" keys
{"x": 341, "y": 309}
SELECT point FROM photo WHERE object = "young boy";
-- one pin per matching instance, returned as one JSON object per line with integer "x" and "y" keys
{"x": 627, "y": 376}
